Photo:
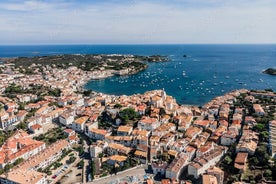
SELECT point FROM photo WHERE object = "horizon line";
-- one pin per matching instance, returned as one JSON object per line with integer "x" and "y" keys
{"x": 64, "y": 44}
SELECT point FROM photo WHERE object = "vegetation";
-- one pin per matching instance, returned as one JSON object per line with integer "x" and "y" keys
{"x": 93, "y": 169}
{"x": 10, "y": 166}
{"x": 127, "y": 115}
{"x": 87, "y": 62}
{"x": 51, "y": 136}
{"x": 81, "y": 164}
{"x": 118, "y": 106}
{"x": 79, "y": 149}
{"x": 4, "y": 135}
{"x": 258, "y": 163}
{"x": 12, "y": 90}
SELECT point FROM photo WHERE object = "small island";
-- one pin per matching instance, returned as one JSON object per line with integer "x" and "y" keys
{"x": 270, "y": 71}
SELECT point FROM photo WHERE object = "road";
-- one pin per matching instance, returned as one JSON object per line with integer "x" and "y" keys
{"x": 86, "y": 159}
{"x": 123, "y": 177}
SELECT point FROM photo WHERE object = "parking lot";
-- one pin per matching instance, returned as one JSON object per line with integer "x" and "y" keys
{"x": 74, "y": 176}
{"x": 58, "y": 173}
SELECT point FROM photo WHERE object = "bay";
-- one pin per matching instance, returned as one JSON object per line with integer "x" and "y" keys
{"x": 206, "y": 72}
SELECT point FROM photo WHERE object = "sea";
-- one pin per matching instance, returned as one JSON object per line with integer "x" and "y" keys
{"x": 194, "y": 74}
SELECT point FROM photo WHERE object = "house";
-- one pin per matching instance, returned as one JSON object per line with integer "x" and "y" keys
{"x": 46, "y": 157}
{"x": 205, "y": 149}
{"x": 229, "y": 137}
{"x": 73, "y": 139}
{"x": 78, "y": 124}
{"x": 179, "y": 145}
{"x": 66, "y": 118}
{"x": 62, "y": 102}
{"x": 240, "y": 161}
{"x": 200, "y": 140}
{"x": 159, "y": 167}
{"x": 192, "y": 132}
{"x": 141, "y": 109}
{"x": 147, "y": 123}
{"x": 248, "y": 142}
{"x": 170, "y": 103}
{"x": 141, "y": 156}
{"x": 205, "y": 161}
{"x": 202, "y": 123}
{"x": 20, "y": 145}
{"x": 157, "y": 101}
{"x": 176, "y": 167}
{"x": 114, "y": 148}
{"x": 116, "y": 160}
{"x": 97, "y": 134}
{"x": 34, "y": 120}
{"x": 258, "y": 109}
{"x": 36, "y": 129}
{"x": 21, "y": 115}
{"x": 8, "y": 123}
{"x": 250, "y": 121}
{"x": 96, "y": 149}
{"x": 183, "y": 121}
{"x": 69, "y": 132}
{"x": 217, "y": 172}
{"x": 190, "y": 151}
{"x": 124, "y": 130}
{"x": 209, "y": 179}
{"x": 164, "y": 129}
{"x": 23, "y": 177}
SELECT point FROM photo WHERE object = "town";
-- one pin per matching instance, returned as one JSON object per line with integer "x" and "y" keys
{"x": 54, "y": 131}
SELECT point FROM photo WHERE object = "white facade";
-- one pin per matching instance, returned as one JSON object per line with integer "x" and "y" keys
{"x": 66, "y": 120}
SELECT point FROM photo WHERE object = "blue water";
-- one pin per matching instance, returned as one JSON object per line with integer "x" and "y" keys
{"x": 208, "y": 71}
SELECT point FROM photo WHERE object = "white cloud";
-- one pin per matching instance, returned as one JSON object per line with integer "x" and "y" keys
{"x": 138, "y": 22}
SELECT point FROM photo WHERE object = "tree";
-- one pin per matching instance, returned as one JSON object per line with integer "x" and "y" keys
{"x": 128, "y": 114}
{"x": 87, "y": 92}
{"x": 259, "y": 127}
{"x": 118, "y": 106}
{"x": 93, "y": 169}
{"x": 264, "y": 136}
{"x": 22, "y": 126}
{"x": 227, "y": 160}
{"x": 81, "y": 164}
{"x": 262, "y": 154}
{"x": 162, "y": 111}
{"x": 268, "y": 173}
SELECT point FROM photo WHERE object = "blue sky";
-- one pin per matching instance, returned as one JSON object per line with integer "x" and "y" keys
{"x": 137, "y": 21}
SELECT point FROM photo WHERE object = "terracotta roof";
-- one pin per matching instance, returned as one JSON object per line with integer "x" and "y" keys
{"x": 124, "y": 129}
{"x": 24, "y": 176}
{"x": 81, "y": 120}
{"x": 45, "y": 154}
{"x": 241, "y": 158}
{"x": 36, "y": 126}
{"x": 140, "y": 153}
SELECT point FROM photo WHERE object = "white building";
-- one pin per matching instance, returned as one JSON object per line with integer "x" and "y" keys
{"x": 66, "y": 119}
{"x": 78, "y": 124}
{"x": 176, "y": 167}
{"x": 147, "y": 123}
{"x": 204, "y": 162}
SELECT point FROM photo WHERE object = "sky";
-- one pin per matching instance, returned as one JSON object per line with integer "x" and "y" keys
{"x": 137, "y": 21}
